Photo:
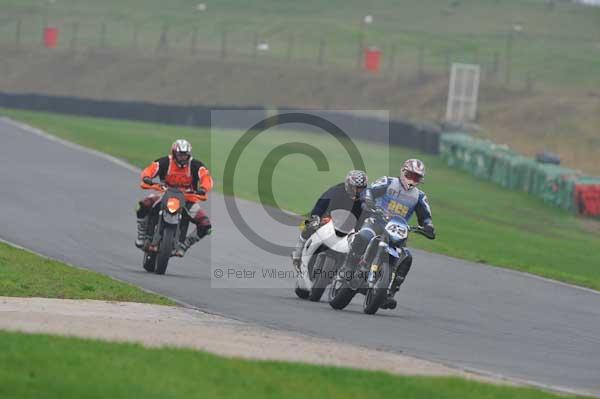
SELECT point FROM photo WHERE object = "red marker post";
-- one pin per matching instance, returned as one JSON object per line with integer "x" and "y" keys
{"x": 372, "y": 59}
{"x": 50, "y": 36}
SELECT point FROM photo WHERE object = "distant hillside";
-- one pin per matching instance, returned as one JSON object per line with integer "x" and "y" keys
{"x": 552, "y": 42}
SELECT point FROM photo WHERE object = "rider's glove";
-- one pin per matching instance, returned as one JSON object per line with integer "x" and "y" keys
{"x": 429, "y": 230}
{"x": 314, "y": 221}
{"x": 201, "y": 191}
{"x": 369, "y": 204}
{"x": 310, "y": 226}
{"x": 147, "y": 180}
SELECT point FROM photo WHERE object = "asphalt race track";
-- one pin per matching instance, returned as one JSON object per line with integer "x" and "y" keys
{"x": 78, "y": 207}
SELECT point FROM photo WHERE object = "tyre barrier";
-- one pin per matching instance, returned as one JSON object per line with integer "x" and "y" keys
{"x": 556, "y": 185}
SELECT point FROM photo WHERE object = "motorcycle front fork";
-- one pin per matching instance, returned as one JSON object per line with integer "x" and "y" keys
{"x": 182, "y": 230}
{"x": 180, "y": 233}
{"x": 155, "y": 221}
{"x": 374, "y": 256}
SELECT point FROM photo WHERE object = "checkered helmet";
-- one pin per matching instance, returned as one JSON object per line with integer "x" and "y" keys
{"x": 356, "y": 181}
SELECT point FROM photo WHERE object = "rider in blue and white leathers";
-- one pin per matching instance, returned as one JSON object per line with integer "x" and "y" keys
{"x": 398, "y": 196}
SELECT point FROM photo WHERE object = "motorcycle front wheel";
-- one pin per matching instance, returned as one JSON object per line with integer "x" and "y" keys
{"x": 377, "y": 291}
{"x": 165, "y": 249}
{"x": 322, "y": 276}
{"x": 300, "y": 292}
{"x": 340, "y": 294}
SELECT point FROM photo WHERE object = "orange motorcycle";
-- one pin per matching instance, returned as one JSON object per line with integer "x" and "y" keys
{"x": 167, "y": 224}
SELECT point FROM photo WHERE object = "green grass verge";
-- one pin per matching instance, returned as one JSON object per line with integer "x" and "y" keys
{"x": 24, "y": 274}
{"x": 476, "y": 220}
{"x": 58, "y": 367}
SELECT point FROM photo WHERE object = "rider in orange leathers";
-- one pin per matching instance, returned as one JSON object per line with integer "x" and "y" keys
{"x": 180, "y": 170}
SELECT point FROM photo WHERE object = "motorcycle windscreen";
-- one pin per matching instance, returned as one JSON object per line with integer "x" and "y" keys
{"x": 393, "y": 251}
{"x": 343, "y": 220}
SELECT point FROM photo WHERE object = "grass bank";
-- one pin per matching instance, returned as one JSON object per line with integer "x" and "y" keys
{"x": 68, "y": 367}
{"x": 24, "y": 274}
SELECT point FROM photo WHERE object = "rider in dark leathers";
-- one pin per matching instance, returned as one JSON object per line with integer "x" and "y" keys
{"x": 346, "y": 195}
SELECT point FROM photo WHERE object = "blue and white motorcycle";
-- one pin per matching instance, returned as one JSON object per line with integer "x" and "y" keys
{"x": 384, "y": 253}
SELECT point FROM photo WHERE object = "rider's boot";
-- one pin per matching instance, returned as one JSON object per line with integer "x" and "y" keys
{"x": 297, "y": 254}
{"x": 401, "y": 272}
{"x": 142, "y": 226}
{"x": 182, "y": 247}
{"x": 390, "y": 302}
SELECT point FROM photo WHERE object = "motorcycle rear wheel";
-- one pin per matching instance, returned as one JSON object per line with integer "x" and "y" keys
{"x": 149, "y": 262}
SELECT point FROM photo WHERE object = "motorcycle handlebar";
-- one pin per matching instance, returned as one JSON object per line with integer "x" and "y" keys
{"x": 153, "y": 186}
{"x": 189, "y": 196}
{"x": 415, "y": 229}
{"x": 419, "y": 230}
{"x": 377, "y": 212}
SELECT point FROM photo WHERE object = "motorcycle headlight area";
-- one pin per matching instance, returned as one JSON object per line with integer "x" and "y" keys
{"x": 396, "y": 231}
{"x": 173, "y": 205}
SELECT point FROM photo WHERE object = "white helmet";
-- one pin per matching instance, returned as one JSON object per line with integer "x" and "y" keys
{"x": 181, "y": 150}
{"x": 412, "y": 173}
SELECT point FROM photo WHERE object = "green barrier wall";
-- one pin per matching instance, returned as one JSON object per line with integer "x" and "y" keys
{"x": 552, "y": 183}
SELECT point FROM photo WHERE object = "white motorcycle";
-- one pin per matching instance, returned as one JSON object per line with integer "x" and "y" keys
{"x": 323, "y": 253}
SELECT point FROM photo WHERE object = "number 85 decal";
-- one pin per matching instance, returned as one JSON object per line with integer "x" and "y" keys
{"x": 397, "y": 208}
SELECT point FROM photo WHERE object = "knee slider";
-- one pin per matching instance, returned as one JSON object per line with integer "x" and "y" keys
{"x": 203, "y": 231}
{"x": 203, "y": 226}
{"x": 141, "y": 210}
